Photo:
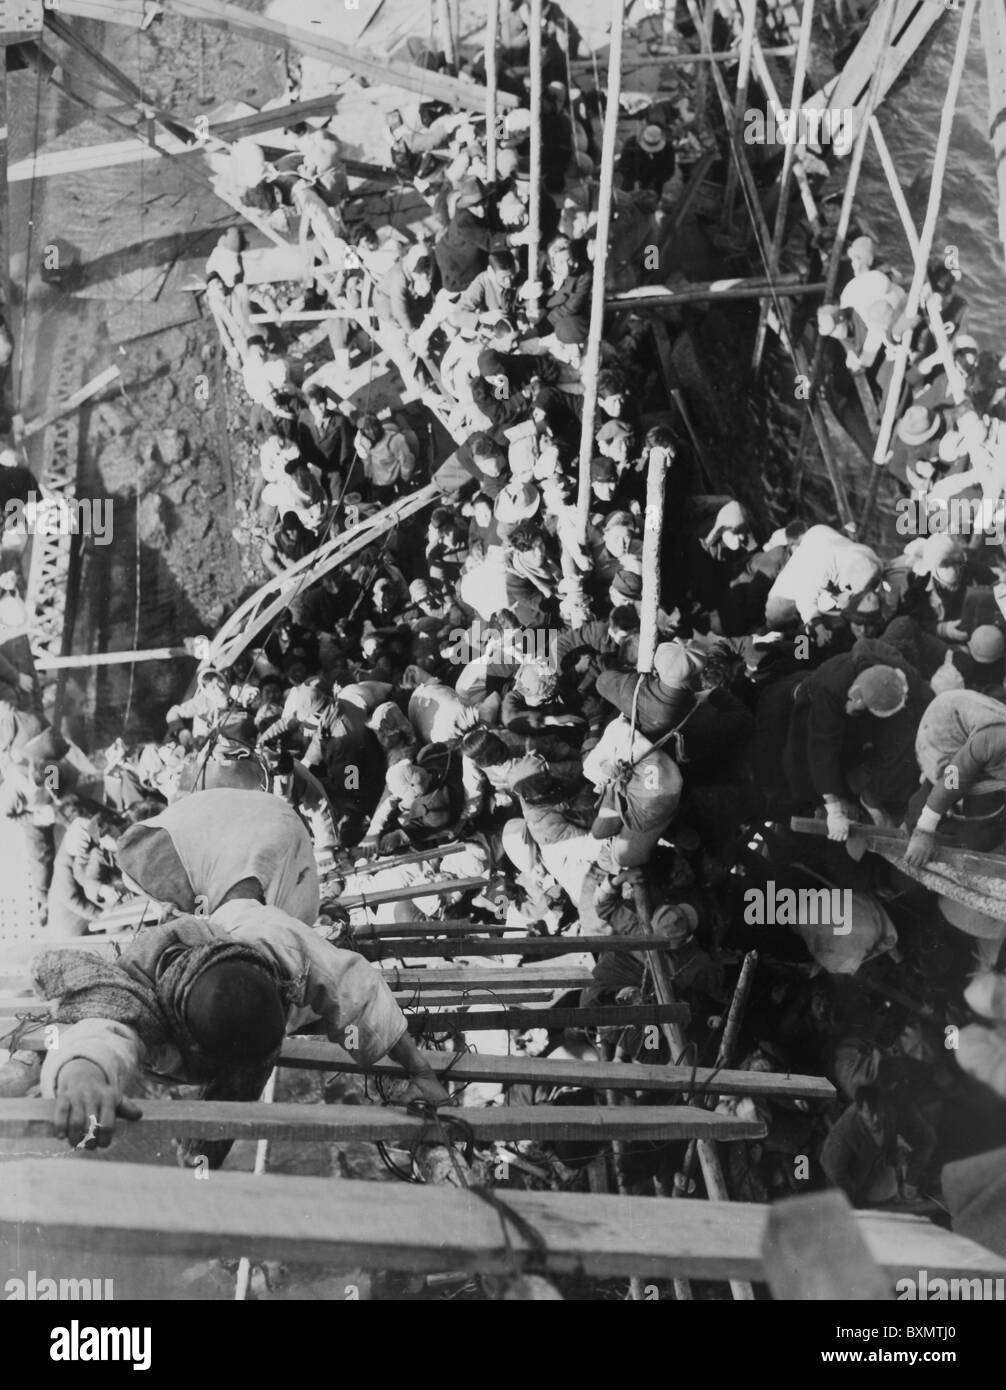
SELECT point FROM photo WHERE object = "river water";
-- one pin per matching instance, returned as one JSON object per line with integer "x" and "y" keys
{"x": 910, "y": 121}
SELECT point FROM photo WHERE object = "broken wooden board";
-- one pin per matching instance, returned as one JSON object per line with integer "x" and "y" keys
{"x": 90, "y": 389}
{"x": 22, "y": 1118}
{"x": 136, "y": 1209}
{"x": 881, "y": 838}
{"x": 135, "y": 14}
{"x": 304, "y": 1054}
{"x": 314, "y": 43}
{"x": 813, "y": 1249}
{"x": 913, "y": 21}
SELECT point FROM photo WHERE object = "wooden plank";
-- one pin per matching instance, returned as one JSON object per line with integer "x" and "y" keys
{"x": 992, "y": 17}
{"x": 438, "y": 889}
{"x": 519, "y": 1020}
{"x": 387, "y": 948}
{"x": 475, "y": 977}
{"x": 662, "y": 297}
{"x": 317, "y": 44}
{"x": 94, "y": 1206}
{"x": 22, "y": 1118}
{"x": 813, "y": 1249}
{"x": 474, "y": 1018}
{"x": 877, "y": 837}
{"x": 307, "y": 1055}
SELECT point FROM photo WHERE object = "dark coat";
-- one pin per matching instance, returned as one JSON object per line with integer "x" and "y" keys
{"x": 825, "y": 744}
{"x": 659, "y": 708}
{"x": 462, "y": 250}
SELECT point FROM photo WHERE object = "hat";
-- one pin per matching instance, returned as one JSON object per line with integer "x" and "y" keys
{"x": 861, "y": 249}
{"x": 619, "y": 519}
{"x": 540, "y": 789}
{"x": 627, "y": 584}
{"x": 986, "y": 644}
{"x": 676, "y": 921}
{"x": 865, "y": 609}
{"x": 471, "y": 192}
{"x": 613, "y": 429}
{"x": 517, "y": 124}
{"x": 602, "y": 470}
{"x": 965, "y": 343}
{"x": 571, "y": 328}
{"x": 419, "y": 589}
{"x": 516, "y": 502}
{"x": 917, "y": 425}
{"x": 884, "y": 690}
{"x": 675, "y": 663}
{"x": 652, "y": 139}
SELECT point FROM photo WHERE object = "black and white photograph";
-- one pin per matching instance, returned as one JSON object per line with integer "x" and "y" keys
{"x": 503, "y": 664}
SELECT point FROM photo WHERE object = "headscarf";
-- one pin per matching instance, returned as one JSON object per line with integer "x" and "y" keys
{"x": 148, "y": 988}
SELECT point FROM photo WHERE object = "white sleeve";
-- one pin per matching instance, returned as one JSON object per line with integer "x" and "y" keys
{"x": 339, "y": 987}
{"x": 114, "y": 1047}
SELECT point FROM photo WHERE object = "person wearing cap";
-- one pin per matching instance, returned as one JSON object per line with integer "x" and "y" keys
{"x": 555, "y": 827}
{"x": 851, "y": 734}
{"x": 504, "y": 388}
{"x": 462, "y": 249}
{"x": 914, "y": 457}
{"x": 982, "y": 662}
{"x": 965, "y": 731}
{"x": 287, "y": 544}
{"x": 208, "y": 1000}
{"x": 617, "y": 440}
{"x": 664, "y": 696}
{"x": 647, "y": 160}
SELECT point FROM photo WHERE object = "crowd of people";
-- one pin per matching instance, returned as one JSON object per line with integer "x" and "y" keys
{"x": 478, "y": 689}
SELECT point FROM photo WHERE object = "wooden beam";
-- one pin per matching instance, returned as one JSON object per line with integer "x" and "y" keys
{"x": 438, "y": 889}
{"x": 813, "y": 1249}
{"x": 664, "y": 297}
{"x": 492, "y": 87}
{"x": 305, "y": 1054}
{"x": 592, "y": 358}
{"x": 472, "y": 977}
{"x": 85, "y": 393}
{"x": 337, "y": 1124}
{"x": 878, "y": 837}
{"x": 99, "y": 1206}
{"x": 520, "y": 1020}
{"x": 389, "y": 949}
{"x": 358, "y": 61}
{"x": 534, "y": 206}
